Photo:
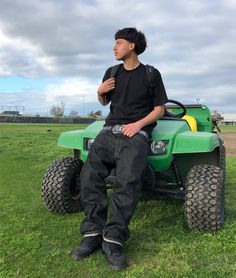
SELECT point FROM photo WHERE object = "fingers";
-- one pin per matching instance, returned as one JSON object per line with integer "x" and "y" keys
{"x": 130, "y": 129}
{"x": 111, "y": 80}
{"x": 124, "y": 130}
{"x": 127, "y": 131}
{"x": 110, "y": 83}
{"x": 107, "y": 86}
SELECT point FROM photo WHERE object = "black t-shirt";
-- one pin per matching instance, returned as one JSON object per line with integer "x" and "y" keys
{"x": 131, "y": 100}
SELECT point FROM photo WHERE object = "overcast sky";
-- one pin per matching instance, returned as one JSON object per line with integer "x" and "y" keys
{"x": 54, "y": 51}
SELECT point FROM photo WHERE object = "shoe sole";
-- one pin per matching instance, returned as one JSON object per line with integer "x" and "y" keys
{"x": 115, "y": 267}
{"x": 77, "y": 258}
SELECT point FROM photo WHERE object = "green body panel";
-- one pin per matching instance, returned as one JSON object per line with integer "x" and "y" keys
{"x": 184, "y": 148}
{"x": 71, "y": 139}
{"x": 166, "y": 130}
{"x": 92, "y": 130}
{"x": 195, "y": 142}
{"x": 181, "y": 140}
{"x": 176, "y": 132}
{"x": 200, "y": 112}
{"x": 75, "y": 139}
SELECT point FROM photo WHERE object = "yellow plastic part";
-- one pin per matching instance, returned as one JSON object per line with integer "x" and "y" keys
{"x": 191, "y": 121}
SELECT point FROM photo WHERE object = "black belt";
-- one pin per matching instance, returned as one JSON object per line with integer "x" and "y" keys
{"x": 117, "y": 129}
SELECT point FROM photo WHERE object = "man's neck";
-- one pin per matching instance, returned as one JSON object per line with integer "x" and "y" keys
{"x": 131, "y": 63}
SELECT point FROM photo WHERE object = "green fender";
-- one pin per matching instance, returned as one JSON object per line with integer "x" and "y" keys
{"x": 74, "y": 139}
{"x": 195, "y": 142}
{"x": 71, "y": 139}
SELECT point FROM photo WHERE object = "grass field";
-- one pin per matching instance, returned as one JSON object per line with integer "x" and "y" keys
{"x": 227, "y": 128}
{"x": 36, "y": 243}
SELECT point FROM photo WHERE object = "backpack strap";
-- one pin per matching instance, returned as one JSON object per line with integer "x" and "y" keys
{"x": 114, "y": 70}
{"x": 150, "y": 76}
{"x": 149, "y": 71}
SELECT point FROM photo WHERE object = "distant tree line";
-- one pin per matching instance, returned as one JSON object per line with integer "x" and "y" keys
{"x": 58, "y": 110}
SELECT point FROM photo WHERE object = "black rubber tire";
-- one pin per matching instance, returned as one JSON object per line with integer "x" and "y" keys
{"x": 61, "y": 185}
{"x": 204, "y": 200}
{"x": 222, "y": 157}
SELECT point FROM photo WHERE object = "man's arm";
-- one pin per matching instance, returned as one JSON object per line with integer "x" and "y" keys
{"x": 133, "y": 128}
{"x": 104, "y": 88}
{"x": 102, "y": 99}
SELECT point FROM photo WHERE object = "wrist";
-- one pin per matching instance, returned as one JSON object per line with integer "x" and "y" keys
{"x": 139, "y": 125}
{"x": 100, "y": 94}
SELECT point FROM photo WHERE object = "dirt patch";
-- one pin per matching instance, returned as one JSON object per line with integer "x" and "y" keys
{"x": 230, "y": 142}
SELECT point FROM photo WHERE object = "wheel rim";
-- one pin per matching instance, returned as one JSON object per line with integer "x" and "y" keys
{"x": 75, "y": 187}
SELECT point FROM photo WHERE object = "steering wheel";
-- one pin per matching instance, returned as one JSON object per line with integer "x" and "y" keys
{"x": 172, "y": 115}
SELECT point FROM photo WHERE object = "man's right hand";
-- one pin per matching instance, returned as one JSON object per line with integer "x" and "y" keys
{"x": 106, "y": 86}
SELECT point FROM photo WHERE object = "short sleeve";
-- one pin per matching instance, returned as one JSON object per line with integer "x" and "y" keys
{"x": 159, "y": 92}
{"x": 105, "y": 77}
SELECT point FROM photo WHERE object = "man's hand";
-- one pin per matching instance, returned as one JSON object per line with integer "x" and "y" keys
{"x": 106, "y": 86}
{"x": 131, "y": 129}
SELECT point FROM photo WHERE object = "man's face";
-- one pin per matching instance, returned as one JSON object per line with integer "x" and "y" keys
{"x": 122, "y": 49}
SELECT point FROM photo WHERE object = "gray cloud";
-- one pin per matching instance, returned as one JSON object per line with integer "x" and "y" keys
{"x": 191, "y": 42}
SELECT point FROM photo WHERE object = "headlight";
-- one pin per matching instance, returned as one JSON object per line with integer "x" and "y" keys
{"x": 158, "y": 147}
{"x": 88, "y": 143}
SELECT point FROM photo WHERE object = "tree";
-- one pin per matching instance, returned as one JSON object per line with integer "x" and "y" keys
{"x": 74, "y": 113}
{"x": 57, "y": 110}
{"x": 96, "y": 114}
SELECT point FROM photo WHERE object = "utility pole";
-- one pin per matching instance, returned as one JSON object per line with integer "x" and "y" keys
{"x": 83, "y": 105}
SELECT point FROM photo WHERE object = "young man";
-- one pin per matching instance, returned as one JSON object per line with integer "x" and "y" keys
{"x": 122, "y": 144}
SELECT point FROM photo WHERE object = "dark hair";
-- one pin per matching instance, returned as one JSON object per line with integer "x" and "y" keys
{"x": 134, "y": 36}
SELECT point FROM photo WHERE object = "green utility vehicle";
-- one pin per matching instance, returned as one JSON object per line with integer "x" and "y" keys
{"x": 186, "y": 161}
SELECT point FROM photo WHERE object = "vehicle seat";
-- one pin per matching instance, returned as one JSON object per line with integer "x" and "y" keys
{"x": 191, "y": 121}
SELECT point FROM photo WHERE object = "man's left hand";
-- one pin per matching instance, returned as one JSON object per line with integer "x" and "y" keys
{"x": 131, "y": 129}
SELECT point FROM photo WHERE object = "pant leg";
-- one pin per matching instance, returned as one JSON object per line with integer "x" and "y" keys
{"x": 131, "y": 159}
{"x": 97, "y": 167}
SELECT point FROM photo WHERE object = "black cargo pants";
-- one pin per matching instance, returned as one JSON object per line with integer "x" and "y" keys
{"x": 129, "y": 157}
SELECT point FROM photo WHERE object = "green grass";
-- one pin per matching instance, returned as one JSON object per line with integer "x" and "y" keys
{"x": 228, "y": 128}
{"x": 36, "y": 243}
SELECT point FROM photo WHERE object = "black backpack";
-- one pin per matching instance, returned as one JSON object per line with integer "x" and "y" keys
{"x": 149, "y": 71}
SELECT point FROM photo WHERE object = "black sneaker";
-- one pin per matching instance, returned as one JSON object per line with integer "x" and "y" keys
{"x": 114, "y": 254}
{"x": 87, "y": 246}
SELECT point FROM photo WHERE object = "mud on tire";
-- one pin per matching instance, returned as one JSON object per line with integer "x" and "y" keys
{"x": 204, "y": 203}
{"x": 61, "y": 185}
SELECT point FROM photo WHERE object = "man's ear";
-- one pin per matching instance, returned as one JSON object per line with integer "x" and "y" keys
{"x": 132, "y": 46}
